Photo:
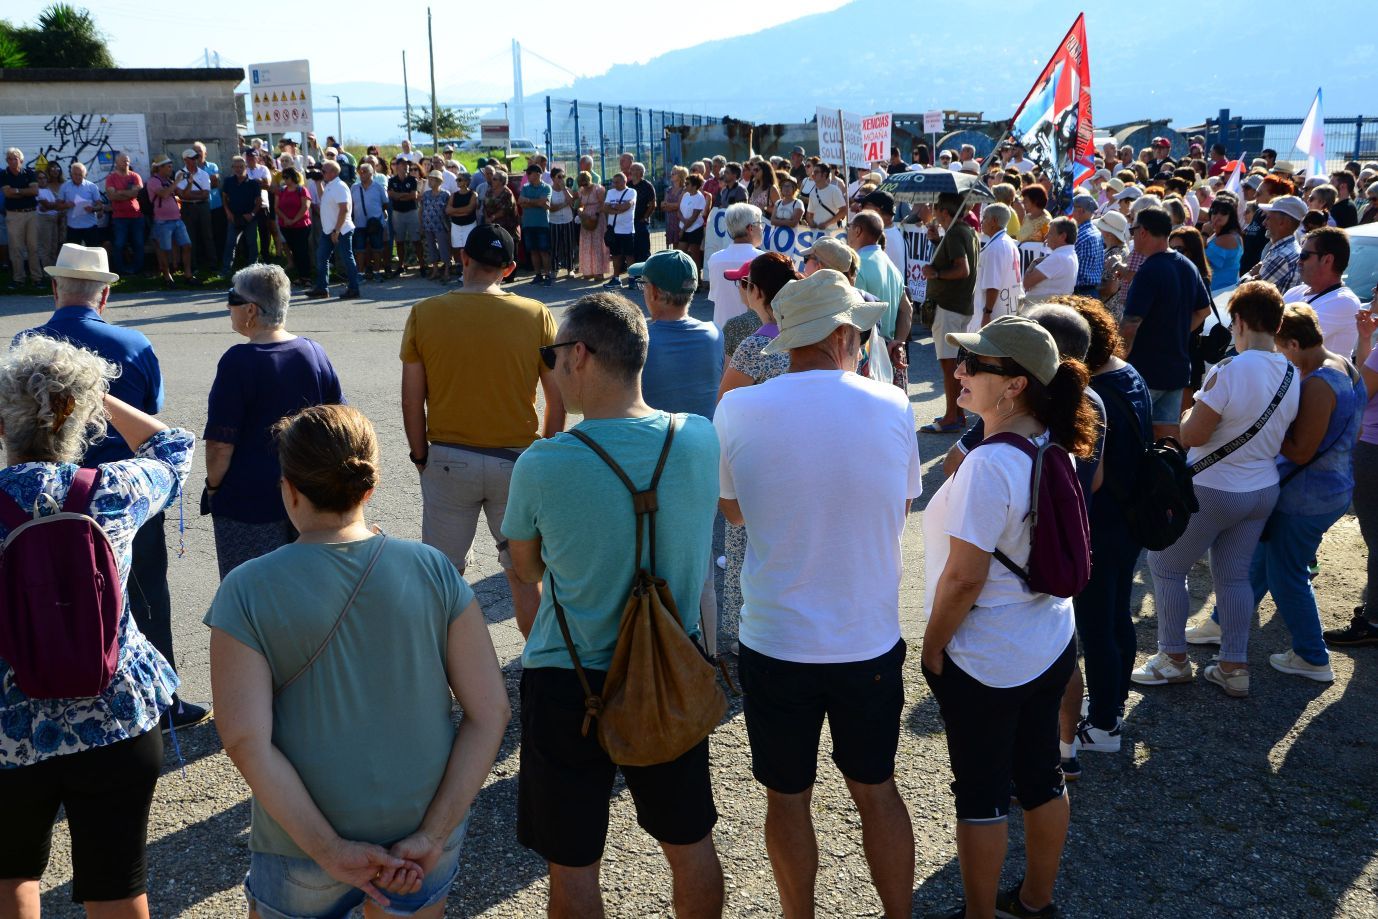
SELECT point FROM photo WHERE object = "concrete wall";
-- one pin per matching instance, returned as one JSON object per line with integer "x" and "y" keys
{"x": 175, "y": 110}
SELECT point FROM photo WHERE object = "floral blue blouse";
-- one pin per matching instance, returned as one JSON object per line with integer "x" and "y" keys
{"x": 127, "y": 493}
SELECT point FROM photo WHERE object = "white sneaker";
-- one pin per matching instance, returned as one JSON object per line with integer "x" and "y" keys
{"x": 1159, "y": 670}
{"x": 1235, "y": 682}
{"x": 1207, "y": 633}
{"x": 1291, "y": 662}
{"x": 1094, "y": 740}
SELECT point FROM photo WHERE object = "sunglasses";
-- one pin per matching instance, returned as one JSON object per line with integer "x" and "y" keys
{"x": 745, "y": 283}
{"x": 233, "y": 298}
{"x": 548, "y": 354}
{"x": 1306, "y": 254}
{"x": 974, "y": 364}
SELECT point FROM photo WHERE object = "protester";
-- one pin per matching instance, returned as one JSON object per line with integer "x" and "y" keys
{"x": 97, "y": 757}
{"x": 619, "y": 227}
{"x": 462, "y": 210}
{"x": 1090, "y": 248}
{"x": 562, "y": 491}
{"x": 337, "y": 235}
{"x": 242, "y": 205}
{"x": 684, "y": 359}
{"x": 999, "y": 278}
{"x": 194, "y": 189}
{"x": 878, "y": 276}
{"x": 435, "y": 227}
{"x": 1055, "y": 274}
{"x": 48, "y": 215}
{"x": 122, "y": 188}
{"x": 693, "y": 209}
{"x": 951, "y": 276}
{"x": 1033, "y": 228}
{"x": 80, "y": 201}
{"x": 1278, "y": 263}
{"x": 1363, "y": 627}
{"x": 730, "y": 190}
{"x": 332, "y": 828}
{"x": 593, "y": 251}
{"x": 764, "y": 188}
{"x": 996, "y": 656}
{"x": 1224, "y": 248}
{"x": 744, "y": 224}
{"x": 169, "y": 230}
{"x": 641, "y": 214}
{"x": 256, "y": 384}
{"x": 371, "y": 205}
{"x": 1114, "y": 232}
{"x": 1256, "y": 390}
{"x": 827, "y": 204}
{"x": 470, "y": 364}
{"x": 811, "y": 649}
{"x": 1321, "y": 264}
{"x": 533, "y": 203}
{"x": 1166, "y": 300}
{"x": 294, "y": 219}
{"x": 564, "y": 239}
{"x": 500, "y": 205}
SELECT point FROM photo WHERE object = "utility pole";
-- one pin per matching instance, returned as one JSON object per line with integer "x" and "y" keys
{"x": 435, "y": 115}
{"x": 406, "y": 92}
{"x": 339, "y": 124}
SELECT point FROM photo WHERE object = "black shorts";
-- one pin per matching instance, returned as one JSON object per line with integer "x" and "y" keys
{"x": 565, "y": 781}
{"x": 692, "y": 237}
{"x": 641, "y": 247}
{"x": 785, "y": 703}
{"x": 106, "y": 792}
{"x": 623, "y": 245}
{"x": 995, "y": 736}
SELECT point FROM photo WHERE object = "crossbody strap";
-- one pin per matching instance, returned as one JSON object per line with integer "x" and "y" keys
{"x": 1350, "y": 372}
{"x": 377, "y": 552}
{"x": 1220, "y": 453}
{"x": 1035, "y": 455}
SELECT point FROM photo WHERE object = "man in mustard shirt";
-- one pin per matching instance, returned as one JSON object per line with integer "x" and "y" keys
{"x": 470, "y": 363}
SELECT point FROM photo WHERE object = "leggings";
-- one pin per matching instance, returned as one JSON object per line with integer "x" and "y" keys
{"x": 1228, "y": 526}
{"x": 1366, "y": 509}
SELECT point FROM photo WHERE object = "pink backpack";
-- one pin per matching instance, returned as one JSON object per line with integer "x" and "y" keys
{"x": 60, "y": 597}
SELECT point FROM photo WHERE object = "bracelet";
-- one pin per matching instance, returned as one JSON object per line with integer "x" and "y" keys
{"x": 416, "y": 461}
{"x": 211, "y": 489}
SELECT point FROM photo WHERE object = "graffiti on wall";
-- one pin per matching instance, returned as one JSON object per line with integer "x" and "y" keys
{"x": 91, "y": 139}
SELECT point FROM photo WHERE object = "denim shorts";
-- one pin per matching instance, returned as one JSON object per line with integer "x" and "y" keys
{"x": 171, "y": 233}
{"x": 536, "y": 239}
{"x": 279, "y": 887}
{"x": 1167, "y": 405}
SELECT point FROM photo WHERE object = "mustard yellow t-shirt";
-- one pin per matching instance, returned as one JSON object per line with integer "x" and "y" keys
{"x": 482, "y": 359}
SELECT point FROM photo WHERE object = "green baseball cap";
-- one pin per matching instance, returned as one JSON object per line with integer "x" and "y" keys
{"x": 672, "y": 271}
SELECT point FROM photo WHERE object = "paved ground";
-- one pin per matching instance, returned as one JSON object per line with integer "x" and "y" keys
{"x": 1215, "y": 807}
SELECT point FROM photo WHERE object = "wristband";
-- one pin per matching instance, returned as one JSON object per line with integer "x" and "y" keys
{"x": 418, "y": 462}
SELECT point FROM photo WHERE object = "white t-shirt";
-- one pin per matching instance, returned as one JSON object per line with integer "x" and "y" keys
{"x": 200, "y": 180}
{"x": 1059, "y": 270}
{"x": 690, "y": 202}
{"x": 448, "y": 183}
{"x": 45, "y": 194}
{"x": 894, "y": 248}
{"x": 334, "y": 194}
{"x": 825, "y": 202}
{"x": 1011, "y": 635}
{"x": 726, "y": 296}
{"x": 1335, "y": 311}
{"x": 820, "y": 583}
{"x": 1239, "y": 389}
{"x": 412, "y": 156}
{"x": 622, "y": 224}
{"x": 1022, "y": 165}
{"x": 997, "y": 268}
{"x": 265, "y": 178}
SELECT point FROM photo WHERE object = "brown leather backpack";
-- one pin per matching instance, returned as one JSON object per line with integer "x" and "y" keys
{"x": 661, "y": 695}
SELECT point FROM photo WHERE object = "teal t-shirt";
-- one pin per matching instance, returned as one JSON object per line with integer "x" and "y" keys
{"x": 368, "y": 728}
{"x": 878, "y": 276}
{"x": 563, "y": 493}
{"x": 535, "y": 216}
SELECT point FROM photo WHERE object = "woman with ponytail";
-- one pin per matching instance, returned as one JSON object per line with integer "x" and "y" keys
{"x": 997, "y": 656}
{"x": 333, "y": 663}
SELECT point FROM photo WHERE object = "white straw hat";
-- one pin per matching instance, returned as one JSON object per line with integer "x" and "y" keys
{"x": 83, "y": 263}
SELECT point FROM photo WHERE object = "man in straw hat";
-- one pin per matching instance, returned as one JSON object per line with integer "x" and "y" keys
{"x": 81, "y": 286}
{"x": 827, "y": 645}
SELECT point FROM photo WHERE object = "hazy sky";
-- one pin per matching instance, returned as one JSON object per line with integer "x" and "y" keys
{"x": 363, "y": 41}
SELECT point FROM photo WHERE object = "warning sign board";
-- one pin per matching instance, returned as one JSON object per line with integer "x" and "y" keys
{"x": 281, "y": 95}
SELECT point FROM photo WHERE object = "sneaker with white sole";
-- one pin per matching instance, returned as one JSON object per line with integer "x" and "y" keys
{"x": 1207, "y": 633}
{"x": 1094, "y": 740}
{"x": 1235, "y": 682}
{"x": 1294, "y": 663}
{"x": 1160, "y": 670}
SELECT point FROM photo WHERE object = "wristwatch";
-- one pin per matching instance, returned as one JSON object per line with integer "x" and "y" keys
{"x": 421, "y": 461}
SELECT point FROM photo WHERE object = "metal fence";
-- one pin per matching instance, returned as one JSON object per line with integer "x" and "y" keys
{"x": 567, "y": 129}
{"x": 1345, "y": 138}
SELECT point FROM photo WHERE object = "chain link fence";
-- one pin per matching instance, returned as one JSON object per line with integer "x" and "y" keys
{"x": 566, "y": 129}
{"x": 1345, "y": 138}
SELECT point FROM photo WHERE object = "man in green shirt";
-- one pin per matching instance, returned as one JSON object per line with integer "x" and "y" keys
{"x": 951, "y": 277}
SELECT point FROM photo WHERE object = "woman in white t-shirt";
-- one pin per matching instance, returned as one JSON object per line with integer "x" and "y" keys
{"x": 693, "y": 207}
{"x": 1056, "y": 272}
{"x": 1236, "y": 487}
{"x": 996, "y": 656}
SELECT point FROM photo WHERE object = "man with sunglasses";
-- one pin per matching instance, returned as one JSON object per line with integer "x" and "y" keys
{"x": 1321, "y": 265}
{"x": 471, "y": 360}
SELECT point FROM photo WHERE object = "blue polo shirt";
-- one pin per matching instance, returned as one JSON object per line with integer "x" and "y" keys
{"x": 140, "y": 382}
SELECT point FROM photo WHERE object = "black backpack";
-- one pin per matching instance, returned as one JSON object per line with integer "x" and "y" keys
{"x": 1162, "y": 499}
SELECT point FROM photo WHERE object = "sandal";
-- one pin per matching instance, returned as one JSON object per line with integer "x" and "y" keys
{"x": 937, "y": 427}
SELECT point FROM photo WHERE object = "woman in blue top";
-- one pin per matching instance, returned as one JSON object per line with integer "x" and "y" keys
{"x": 1316, "y": 472}
{"x": 99, "y": 757}
{"x": 333, "y": 661}
{"x": 1226, "y": 244}
{"x": 257, "y": 384}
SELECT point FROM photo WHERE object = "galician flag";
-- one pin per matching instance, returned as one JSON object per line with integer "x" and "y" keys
{"x": 1311, "y": 140}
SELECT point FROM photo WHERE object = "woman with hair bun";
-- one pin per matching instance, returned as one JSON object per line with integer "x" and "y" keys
{"x": 333, "y": 663}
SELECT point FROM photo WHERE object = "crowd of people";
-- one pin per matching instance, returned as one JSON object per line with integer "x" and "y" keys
{"x": 1088, "y": 353}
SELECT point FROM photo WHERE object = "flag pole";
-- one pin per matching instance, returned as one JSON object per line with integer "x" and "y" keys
{"x": 1020, "y": 110}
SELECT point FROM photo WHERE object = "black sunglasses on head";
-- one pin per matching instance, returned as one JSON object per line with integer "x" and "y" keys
{"x": 975, "y": 365}
{"x": 234, "y": 299}
{"x": 548, "y": 354}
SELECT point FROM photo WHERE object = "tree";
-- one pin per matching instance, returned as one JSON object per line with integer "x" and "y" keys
{"x": 453, "y": 124}
{"x": 63, "y": 36}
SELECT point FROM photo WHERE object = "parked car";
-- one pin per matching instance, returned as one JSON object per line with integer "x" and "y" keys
{"x": 520, "y": 147}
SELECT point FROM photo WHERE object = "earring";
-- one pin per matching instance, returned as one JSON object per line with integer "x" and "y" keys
{"x": 997, "y": 407}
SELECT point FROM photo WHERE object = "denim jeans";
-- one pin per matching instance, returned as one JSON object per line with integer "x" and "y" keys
{"x": 129, "y": 231}
{"x": 1105, "y": 626}
{"x": 233, "y": 232}
{"x": 325, "y": 249}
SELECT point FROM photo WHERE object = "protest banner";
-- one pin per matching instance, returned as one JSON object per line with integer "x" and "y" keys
{"x": 788, "y": 240}
{"x": 918, "y": 251}
{"x": 839, "y": 137}
{"x": 875, "y": 139}
{"x": 1029, "y": 253}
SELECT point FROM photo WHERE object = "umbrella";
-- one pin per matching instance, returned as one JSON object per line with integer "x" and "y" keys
{"x": 923, "y": 186}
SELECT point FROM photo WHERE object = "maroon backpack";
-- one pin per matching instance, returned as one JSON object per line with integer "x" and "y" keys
{"x": 1059, "y": 534}
{"x": 60, "y": 597}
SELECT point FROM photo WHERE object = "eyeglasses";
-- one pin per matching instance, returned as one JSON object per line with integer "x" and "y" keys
{"x": 548, "y": 354}
{"x": 1306, "y": 254}
{"x": 745, "y": 283}
{"x": 974, "y": 364}
{"x": 233, "y": 298}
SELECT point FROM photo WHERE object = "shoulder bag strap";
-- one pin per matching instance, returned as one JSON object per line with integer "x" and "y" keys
{"x": 593, "y": 703}
{"x": 12, "y": 516}
{"x": 1322, "y": 451}
{"x": 1220, "y": 453}
{"x": 79, "y": 495}
{"x": 1035, "y": 455}
{"x": 377, "y": 552}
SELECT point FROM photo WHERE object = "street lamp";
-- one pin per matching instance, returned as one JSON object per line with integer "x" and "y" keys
{"x": 339, "y": 124}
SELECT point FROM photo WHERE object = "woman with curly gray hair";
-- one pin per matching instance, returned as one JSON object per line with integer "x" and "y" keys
{"x": 97, "y": 757}
{"x": 257, "y": 383}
